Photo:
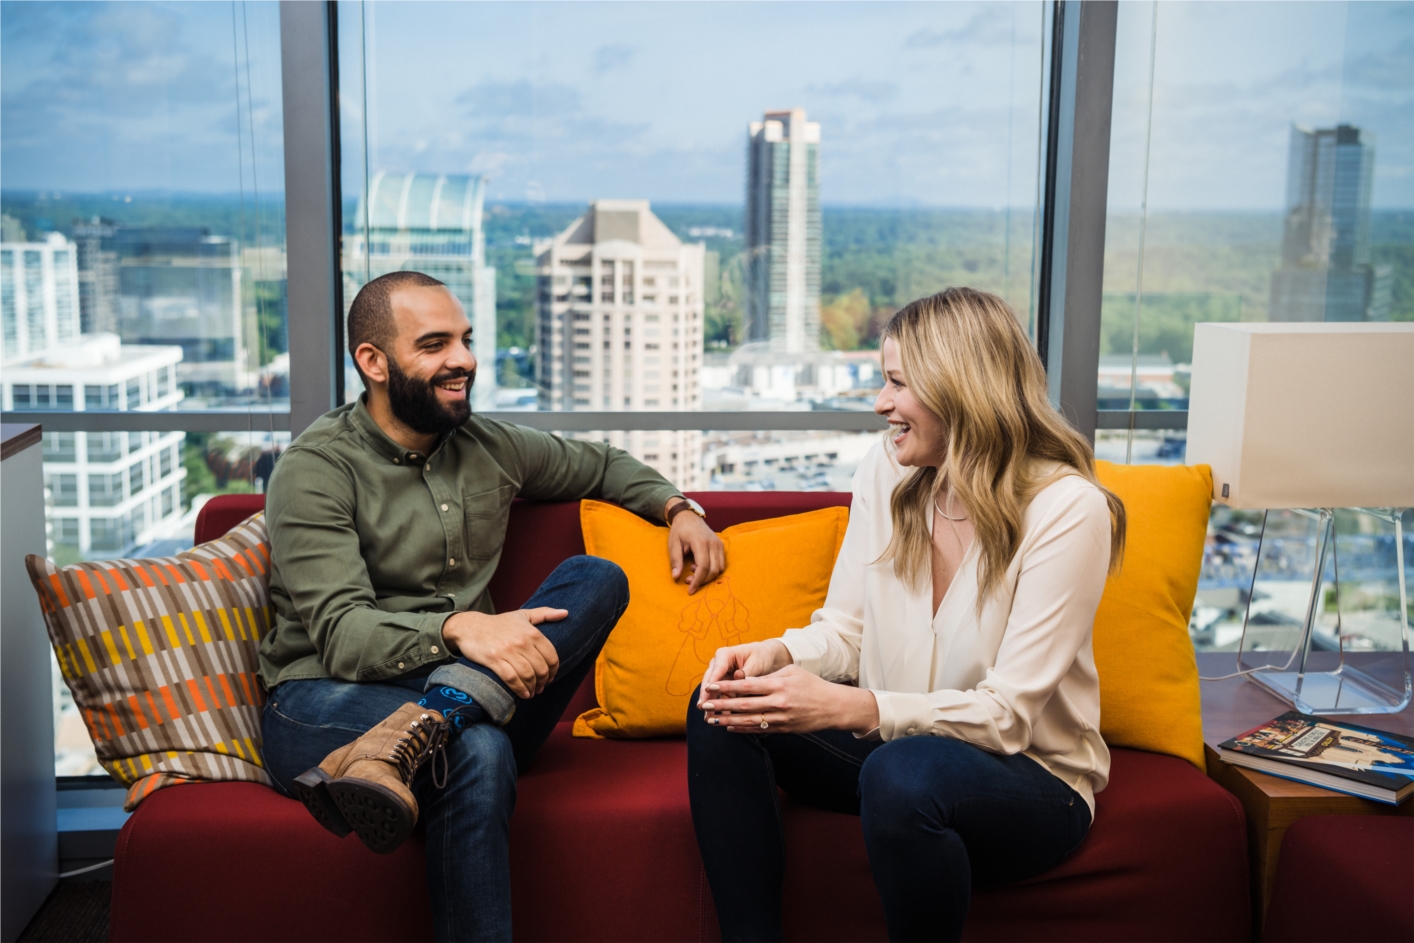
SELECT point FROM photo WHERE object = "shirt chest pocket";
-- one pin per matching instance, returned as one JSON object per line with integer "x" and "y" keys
{"x": 485, "y": 524}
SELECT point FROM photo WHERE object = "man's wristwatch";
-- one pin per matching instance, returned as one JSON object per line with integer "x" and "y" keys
{"x": 686, "y": 504}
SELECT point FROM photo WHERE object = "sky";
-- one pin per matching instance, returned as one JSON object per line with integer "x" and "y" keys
{"x": 922, "y": 103}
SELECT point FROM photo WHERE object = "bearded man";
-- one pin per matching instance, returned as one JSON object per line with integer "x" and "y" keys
{"x": 394, "y": 686}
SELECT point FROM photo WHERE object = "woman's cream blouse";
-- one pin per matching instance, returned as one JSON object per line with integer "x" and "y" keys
{"x": 1018, "y": 678}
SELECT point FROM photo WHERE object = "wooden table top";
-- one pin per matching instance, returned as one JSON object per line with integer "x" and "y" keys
{"x": 1236, "y": 705}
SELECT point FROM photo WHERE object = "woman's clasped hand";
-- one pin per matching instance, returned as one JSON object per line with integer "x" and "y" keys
{"x": 755, "y": 688}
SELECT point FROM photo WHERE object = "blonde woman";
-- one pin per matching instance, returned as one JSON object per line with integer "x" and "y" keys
{"x": 946, "y": 693}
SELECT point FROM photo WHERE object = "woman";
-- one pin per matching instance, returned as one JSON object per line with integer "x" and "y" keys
{"x": 946, "y": 692}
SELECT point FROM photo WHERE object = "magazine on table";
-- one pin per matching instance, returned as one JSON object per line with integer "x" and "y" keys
{"x": 1345, "y": 757}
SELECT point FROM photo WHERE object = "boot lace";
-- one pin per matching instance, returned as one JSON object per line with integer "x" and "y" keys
{"x": 426, "y": 740}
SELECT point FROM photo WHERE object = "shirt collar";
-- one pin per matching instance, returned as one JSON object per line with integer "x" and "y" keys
{"x": 381, "y": 442}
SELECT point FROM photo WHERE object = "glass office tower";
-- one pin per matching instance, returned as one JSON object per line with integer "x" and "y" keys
{"x": 1325, "y": 272}
{"x": 430, "y": 223}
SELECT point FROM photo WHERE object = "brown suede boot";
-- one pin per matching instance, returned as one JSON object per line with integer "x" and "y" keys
{"x": 364, "y": 787}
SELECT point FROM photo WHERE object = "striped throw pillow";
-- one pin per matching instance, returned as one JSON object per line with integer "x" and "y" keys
{"x": 161, "y": 658}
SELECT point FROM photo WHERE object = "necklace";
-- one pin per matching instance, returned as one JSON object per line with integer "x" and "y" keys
{"x": 945, "y": 515}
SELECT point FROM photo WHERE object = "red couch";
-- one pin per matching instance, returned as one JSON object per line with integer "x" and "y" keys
{"x": 602, "y": 845}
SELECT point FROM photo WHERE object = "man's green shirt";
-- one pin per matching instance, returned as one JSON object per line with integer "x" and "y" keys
{"x": 375, "y": 546}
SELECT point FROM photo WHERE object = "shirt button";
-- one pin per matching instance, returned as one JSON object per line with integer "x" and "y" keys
{"x": 451, "y": 563}
{"x": 912, "y": 731}
{"x": 444, "y": 507}
{"x": 434, "y": 649}
{"x": 400, "y": 664}
{"x": 397, "y": 461}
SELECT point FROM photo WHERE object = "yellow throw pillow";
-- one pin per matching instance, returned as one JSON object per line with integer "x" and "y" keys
{"x": 1149, "y": 697}
{"x": 777, "y": 573}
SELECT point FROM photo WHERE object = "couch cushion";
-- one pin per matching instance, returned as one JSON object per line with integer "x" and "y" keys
{"x": 602, "y": 848}
{"x": 237, "y": 862}
{"x": 1165, "y": 838}
{"x": 160, "y": 656}
{"x": 1344, "y": 878}
{"x": 779, "y": 570}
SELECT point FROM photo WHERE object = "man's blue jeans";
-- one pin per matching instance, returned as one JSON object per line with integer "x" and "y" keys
{"x": 938, "y": 815}
{"x": 468, "y": 822}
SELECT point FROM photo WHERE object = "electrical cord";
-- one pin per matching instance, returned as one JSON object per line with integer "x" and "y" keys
{"x": 92, "y": 867}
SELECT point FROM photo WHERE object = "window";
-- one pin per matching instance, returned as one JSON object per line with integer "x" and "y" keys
{"x": 63, "y": 490}
{"x": 60, "y": 447}
{"x": 572, "y": 177}
{"x": 1250, "y": 180}
{"x": 105, "y": 446}
{"x": 105, "y": 491}
{"x": 1298, "y": 212}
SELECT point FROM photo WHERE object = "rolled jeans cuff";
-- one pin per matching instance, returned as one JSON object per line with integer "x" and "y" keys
{"x": 493, "y": 699}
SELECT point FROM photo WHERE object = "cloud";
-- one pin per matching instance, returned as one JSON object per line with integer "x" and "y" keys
{"x": 614, "y": 56}
{"x": 856, "y": 87}
{"x": 990, "y": 26}
{"x": 494, "y": 100}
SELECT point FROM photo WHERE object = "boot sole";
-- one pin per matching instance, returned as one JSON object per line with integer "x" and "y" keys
{"x": 380, "y": 818}
{"x": 312, "y": 788}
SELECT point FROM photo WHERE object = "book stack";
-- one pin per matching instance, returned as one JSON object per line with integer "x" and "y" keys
{"x": 1368, "y": 763}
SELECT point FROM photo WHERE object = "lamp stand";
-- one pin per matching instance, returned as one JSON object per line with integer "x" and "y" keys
{"x": 1361, "y": 672}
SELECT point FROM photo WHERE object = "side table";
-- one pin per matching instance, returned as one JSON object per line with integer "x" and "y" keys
{"x": 1235, "y": 706}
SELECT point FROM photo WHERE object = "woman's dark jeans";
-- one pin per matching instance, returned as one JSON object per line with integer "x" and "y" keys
{"x": 938, "y": 815}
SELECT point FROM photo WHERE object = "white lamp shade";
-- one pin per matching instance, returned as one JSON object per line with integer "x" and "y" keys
{"x": 1304, "y": 415}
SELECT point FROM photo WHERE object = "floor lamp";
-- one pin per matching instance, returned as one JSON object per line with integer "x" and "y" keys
{"x": 1314, "y": 417}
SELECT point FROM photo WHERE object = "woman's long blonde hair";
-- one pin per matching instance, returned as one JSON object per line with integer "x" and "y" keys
{"x": 969, "y": 363}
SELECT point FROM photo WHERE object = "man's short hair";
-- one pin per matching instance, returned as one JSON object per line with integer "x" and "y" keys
{"x": 371, "y": 314}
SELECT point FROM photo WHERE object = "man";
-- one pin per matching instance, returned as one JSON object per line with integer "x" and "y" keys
{"x": 387, "y": 519}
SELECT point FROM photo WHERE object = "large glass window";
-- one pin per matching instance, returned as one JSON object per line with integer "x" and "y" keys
{"x": 142, "y": 262}
{"x": 1259, "y": 171}
{"x": 638, "y": 222}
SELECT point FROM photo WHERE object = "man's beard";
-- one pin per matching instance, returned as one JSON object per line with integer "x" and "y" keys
{"x": 417, "y": 406}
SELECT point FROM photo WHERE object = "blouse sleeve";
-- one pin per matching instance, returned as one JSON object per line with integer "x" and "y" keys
{"x": 829, "y": 646}
{"x": 1058, "y": 589}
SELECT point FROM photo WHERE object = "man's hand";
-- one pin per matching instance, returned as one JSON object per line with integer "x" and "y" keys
{"x": 509, "y": 644}
{"x": 791, "y": 700}
{"x": 691, "y": 537}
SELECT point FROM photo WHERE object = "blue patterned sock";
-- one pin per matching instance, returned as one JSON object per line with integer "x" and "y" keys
{"x": 456, "y": 706}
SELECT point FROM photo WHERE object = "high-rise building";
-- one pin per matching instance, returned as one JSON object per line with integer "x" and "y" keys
{"x": 107, "y": 491}
{"x": 98, "y": 274}
{"x": 431, "y": 224}
{"x": 39, "y": 296}
{"x": 783, "y": 232}
{"x": 1325, "y": 272}
{"x": 182, "y": 285}
{"x": 619, "y": 326}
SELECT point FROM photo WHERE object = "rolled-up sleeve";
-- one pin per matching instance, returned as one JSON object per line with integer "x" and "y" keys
{"x": 1058, "y": 589}
{"x": 315, "y": 546}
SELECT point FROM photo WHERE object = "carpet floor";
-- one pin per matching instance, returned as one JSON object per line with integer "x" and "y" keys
{"x": 74, "y": 913}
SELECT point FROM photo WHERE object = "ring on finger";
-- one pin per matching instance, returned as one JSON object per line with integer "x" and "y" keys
{"x": 764, "y": 723}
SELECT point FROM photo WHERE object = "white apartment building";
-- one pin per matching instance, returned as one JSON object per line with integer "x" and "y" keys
{"x": 619, "y": 327}
{"x": 39, "y": 295}
{"x": 107, "y": 491}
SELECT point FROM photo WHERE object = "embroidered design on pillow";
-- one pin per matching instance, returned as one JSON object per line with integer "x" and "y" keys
{"x": 161, "y": 657}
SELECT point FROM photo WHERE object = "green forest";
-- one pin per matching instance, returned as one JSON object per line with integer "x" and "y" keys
{"x": 1206, "y": 266}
